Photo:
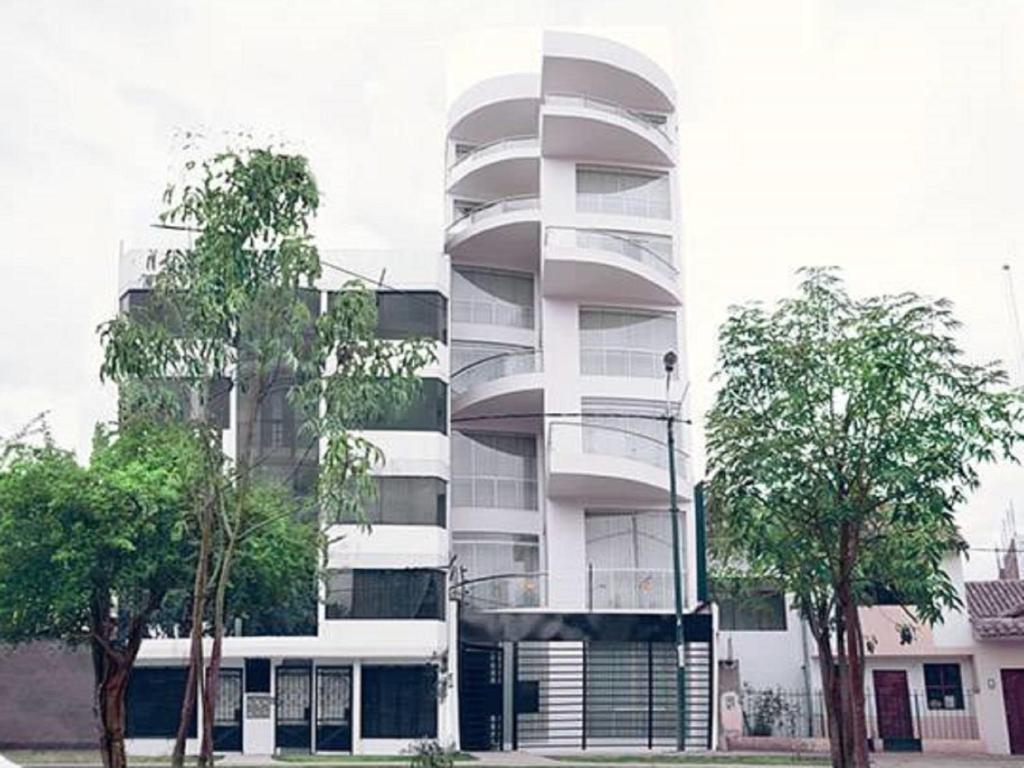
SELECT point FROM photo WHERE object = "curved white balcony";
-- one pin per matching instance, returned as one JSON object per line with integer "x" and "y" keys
{"x": 499, "y": 106}
{"x": 593, "y": 462}
{"x": 510, "y": 382}
{"x": 604, "y": 265}
{"x": 504, "y": 233}
{"x": 508, "y": 166}
{"x": 584, "y": 127}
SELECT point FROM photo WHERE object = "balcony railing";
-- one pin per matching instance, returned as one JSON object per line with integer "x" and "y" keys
{"x": 494, "y": 208}
{"x": 496, "y": 367}
{"x": 634, "y": 589}
{"x": 509, "y": 590}
{"x": 493, "y": 147}
{"x": 566, "y": 436}
{"x": 603, "y": 105}
{"x": 635, "y": 248}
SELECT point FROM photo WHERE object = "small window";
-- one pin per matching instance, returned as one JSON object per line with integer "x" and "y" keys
{"x": 752, "y": 611}
{"x": 370, "y": 593}
{"x": 257, "y": 675}
{"x": 412, "y": 314}
{"x": 399, "y": 702}
{"x": 943, "y": 686}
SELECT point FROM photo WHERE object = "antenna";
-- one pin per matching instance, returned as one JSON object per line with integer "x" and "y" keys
{"x": 1010, "y": 296}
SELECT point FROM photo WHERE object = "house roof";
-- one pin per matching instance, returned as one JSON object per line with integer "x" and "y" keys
{"x": 996, "y": 608}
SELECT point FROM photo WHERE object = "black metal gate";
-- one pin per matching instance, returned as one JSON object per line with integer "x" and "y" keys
{"x": 293, "y": 727}
{"x": 481, "y": 722}
{"x": 334, "y": 709}
{"x": 227, "y": 716}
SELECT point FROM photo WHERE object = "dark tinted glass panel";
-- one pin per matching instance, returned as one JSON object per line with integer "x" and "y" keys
{"x": 755, "y": 611}
{"x": 406, "y": 501}
{"x": 154, "y": 702}
{"x": 414, "y": 593}
{"x": 257, "y": 675}
{"x": 412, "y": 314}
{"x": 399, "y": 702}
{"x": 427, "y": 413}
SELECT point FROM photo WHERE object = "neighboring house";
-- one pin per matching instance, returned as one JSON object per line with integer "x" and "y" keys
{"x": 954, "y": 687}
{"x": 536, "y": 457}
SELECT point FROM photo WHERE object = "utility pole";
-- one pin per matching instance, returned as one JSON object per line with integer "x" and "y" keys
{"x": 670, "y": 361}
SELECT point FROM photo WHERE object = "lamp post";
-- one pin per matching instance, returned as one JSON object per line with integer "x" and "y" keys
{"x": 670, "y": 361}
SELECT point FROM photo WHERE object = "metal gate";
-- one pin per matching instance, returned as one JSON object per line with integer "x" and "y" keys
{"x": 481, "y": 721}
{"x": 604, "y": 694}
{"x": 334, "y": 709}
{"x": 293, "y": 727}
{"x": 227, "y": 715}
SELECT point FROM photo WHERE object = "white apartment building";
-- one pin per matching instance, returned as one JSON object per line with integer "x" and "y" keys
{"x": 536, "y": 463}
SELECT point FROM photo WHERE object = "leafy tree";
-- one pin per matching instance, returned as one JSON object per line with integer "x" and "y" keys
{"x": 844, "y": 435}
{"x": 88, "y": 554}
{"x": 238, "y": 312}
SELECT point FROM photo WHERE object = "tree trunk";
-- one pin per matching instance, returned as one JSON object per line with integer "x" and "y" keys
{"x": 855, "y": 682}
{"x": 212, "y": 689}
{"x": 112, "y": 715}
{"x": 833, "y": 706}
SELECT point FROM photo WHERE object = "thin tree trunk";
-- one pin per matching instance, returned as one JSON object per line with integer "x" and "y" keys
{"x": 212, "y": 689}
{"x": 833, "y": 707}
{"x": 855, "y": 682}
{"x": 112, "y": 706}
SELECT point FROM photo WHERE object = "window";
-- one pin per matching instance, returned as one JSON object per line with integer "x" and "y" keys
{"x": 369, "y": 593}
{"x": 427, "y": 413}
{"x": 412, "y": 314}
{"x": 513, "y": 557}
{"x": 406, "y": 501}
{"x": 943, "y": 686}
{"x": 489, "y": 297}
{"x": 750, "y": 610}
{"x": 623, "y": 192}
{"x": 399, "y": 702}
{"x": 257, "y": 675}
{"x": 629, "y": 559}
{"x": 615, "y": 342}
{"x": 153, "y": 702}
{"x": 494, "y": 471}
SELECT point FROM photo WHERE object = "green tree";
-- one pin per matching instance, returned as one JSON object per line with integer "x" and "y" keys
{"x": 238, "y": 311}
{"x": 88, "y": 554}
{"x": 843, "y": 436}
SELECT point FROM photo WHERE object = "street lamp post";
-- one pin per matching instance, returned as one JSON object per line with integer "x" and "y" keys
{"x": 670, "y": 361}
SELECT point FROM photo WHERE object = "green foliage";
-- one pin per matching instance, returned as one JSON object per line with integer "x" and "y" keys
{"x": 857, "y": 415}
{"x": 430, "y": 753}
{"x": 74, "y": 539}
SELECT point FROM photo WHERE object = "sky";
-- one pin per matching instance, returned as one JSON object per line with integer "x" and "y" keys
{"x": 881, "y": 136}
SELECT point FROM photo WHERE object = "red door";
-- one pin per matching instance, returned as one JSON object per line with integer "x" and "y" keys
{"x": 892, "y": 705}
{"x": 1013, "y": 701}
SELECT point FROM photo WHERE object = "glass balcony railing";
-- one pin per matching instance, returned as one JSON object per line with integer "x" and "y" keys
{"x": 648, "y": 123}
{"x": 494, "y": 147}
{"x": 630, "y": 589}
{"x": 496, "y": 367}
{"x": 511, "y": 590}
{"x": 655, "y": 253}
{"x": 493, "y": 208}
{"x": 600, "y": 439}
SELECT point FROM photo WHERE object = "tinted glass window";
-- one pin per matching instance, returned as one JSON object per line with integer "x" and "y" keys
{"x": 427, "y": 413}
{"x": 154, "y": 702}
{"x": 370, "y": 593}
{"x": 754, "y": 611}
{"x": 412, "y": 314}
{"x": 405, "y": 501}
{"x": 399, "y": 702}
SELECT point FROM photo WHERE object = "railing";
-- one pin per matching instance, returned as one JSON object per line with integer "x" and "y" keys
{"x": 628, "y": 363}
{"x": 493, "y": 492}
{"x": 566, "y": 436}
{"x": 494, "y": 208}
{"x": 501, "y": 313}
{"x": 623, "y": 205}
{"x": 611, "y": 107}
{"x": 482, "y": 150}
{"x": 496, "y": 367}
{"x": 629, "y": 589}
{"x": 635, "y": 248}
{"x": 775, "y": 712}
{"x": 509, "y": 590}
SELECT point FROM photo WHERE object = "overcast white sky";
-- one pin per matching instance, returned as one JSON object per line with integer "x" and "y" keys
{"x": 884, "y": 136}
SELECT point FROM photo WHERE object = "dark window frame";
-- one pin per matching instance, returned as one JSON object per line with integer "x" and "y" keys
{"x": 398, "y": 701}
{"x": 385, "y": 594}
{"x": 943, "y": 679}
